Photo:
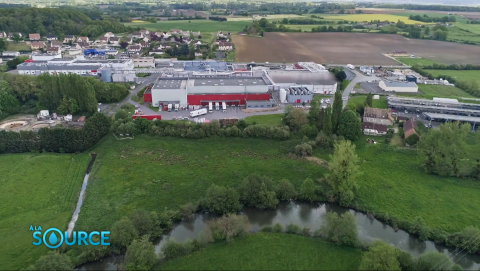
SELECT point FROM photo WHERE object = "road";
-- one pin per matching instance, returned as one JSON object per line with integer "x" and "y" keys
{"x": 359, "y": 77}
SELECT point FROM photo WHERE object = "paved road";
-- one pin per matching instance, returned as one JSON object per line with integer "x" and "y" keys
{"x": 359, "y": 77}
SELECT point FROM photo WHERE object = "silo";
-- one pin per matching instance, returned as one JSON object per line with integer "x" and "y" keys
{"x": 283, "y": 95}
{"x": 106, "y": 75}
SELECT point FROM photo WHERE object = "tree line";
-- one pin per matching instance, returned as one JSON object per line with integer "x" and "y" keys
{"x": 428, "y": 19}
{"x": 216, "y": 18}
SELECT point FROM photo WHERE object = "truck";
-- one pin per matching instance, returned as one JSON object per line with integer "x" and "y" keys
{"x": 169, "y": 107}
{"x": 224, "y": 107}
{"x": 176, "y": 107}
{"x": 199, "y": 112}
{"x": 210, "y": 107}
{"x": 217, "y": 106}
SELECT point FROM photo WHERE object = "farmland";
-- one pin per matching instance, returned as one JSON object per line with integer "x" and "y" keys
{"x": 193, "y": 25}
{"x": 416, "y": 61}
{"x": 343, "y": 48}
{"x": 439, "y": 91}
{"x": 471, "y": 75}
{"x": 372, "y": 17}
{"x": 37, "y": 189}
{"x": 269, "y": 251}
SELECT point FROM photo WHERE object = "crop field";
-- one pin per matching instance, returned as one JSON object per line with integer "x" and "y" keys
{"x": 416, "y": 61}
{"x": 471, "y": 75}
{"x": 474, "y": 28}
{"x": 344, "y": 48}
{"x": 268, "y": 17}
{"x": 456, "y": 34}
{"x": 36, "y": 189}
{"x": 193, "y": 25}
{"x": 372, "y": 17}
{"x": 269, "y": 251}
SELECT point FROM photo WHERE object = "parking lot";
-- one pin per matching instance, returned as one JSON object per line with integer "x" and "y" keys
{"x": 371, "y": 87}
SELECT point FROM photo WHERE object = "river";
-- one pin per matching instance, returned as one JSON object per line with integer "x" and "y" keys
{"x": 304, "y": 215}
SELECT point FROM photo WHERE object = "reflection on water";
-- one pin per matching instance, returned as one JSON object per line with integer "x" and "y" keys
{"x": 304, "y": 215}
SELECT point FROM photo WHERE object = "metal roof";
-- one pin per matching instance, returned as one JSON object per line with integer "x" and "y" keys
{"x": 48, "y": 67}
{"x": 170, "y": 83}
{"x": 238, "y": 81}
{"x": 453, "y": 117}
{"x": 399, "y": 84}
{"x": 255, "y": 102}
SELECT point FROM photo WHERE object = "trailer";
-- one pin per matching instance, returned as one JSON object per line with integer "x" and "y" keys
{"x": 217, "y": 106}
{"x": 199, "y": 112}
{"x": 176, "y": 107}
{"x": 169, "y": 107}
{"x": 210, "y": 107}
{"x": 224, "y": 107}
{"x": 148, "y": 117}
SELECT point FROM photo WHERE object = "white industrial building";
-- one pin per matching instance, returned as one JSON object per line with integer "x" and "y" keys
{"x": 144, "y": 62}
{"x": 390, "y": 86}
{"x": 315, "y": 82}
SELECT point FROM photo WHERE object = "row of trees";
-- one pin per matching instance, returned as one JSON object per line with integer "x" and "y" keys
{"x": 330, "y": 28}
{"x": 428, "y": 19}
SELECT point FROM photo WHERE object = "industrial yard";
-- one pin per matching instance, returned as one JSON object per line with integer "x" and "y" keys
{"x": 343, "y": 48}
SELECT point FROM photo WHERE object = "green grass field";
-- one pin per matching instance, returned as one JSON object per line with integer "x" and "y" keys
{"x": 467, "y": 76}
{"x": 270, "y": 120}
{"x": 459, "y": 35}
{"x": 155, "y": 173}
{"x": 195, "y": 25}
{"x": 416, "y": 61}
{"x": 20, "y": 46}
{"x": 360, "y": 100}
{"x": 474, "y": 28}
{"x": 36, "y": 189}
{"x": 370, "y": 17}
{"x": 439, "y": 91}
{"x": 269, "y": 251}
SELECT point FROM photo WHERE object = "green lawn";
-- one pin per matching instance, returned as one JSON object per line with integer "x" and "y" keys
{"x": 36, "y": 189}
{"x": 20, "y": 46}
{"x": 474, "y": 28}
{"x": 416, "y": 61}
{"x": 439, "y": 91}
{"x": 360, "y": 100}
{"x": 460, "y": 75}
{"x": 155, "y": 173}
{"x": 269, "y": 251}
{"x": 270, "y": 120}
{"x": 195, "y": 25}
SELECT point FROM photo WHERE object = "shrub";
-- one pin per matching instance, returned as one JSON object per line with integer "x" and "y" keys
{"x": 308, "y": 130}
{"x": 53, "y": 261}
{"x": 187, "y": 211}
{"x": 292, "y": 229}
{"x": 434, "y": 261}
{"x": 307, "y": 191}
{"x": 221, "y": 200}
{"x": 123, "y": 233}
{"x": 121, "y": 114}
{"x": 172, "y": 249}
{"x": 303, "y": 150}
{"x": 306, "y": 231}
{"x": 277, "y": 228}
{"x": 143, "y": 222}
{"x": 341, "y": 230}
{"x": 285, "y": 190}
{"x": 228, "y": 227}
{"x": 258, "y": 192}
{"x": 140, "y": 255}
{"x": 322, "y": 140}
{"x": 380, "y": 256}
{"x": 267, "y": 229}
{"x": 462, "y": 239}
{"x": 406, "y": 260}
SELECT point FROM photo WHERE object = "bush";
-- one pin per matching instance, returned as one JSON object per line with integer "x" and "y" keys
{"x": 53, "y": 261}
{"x": 341, "y": 230}
{"x": 140, "y": 255}
{"x": 462, "y": 239}
{"x": 406, "y": 260}
{"x": 303, "y": 150}
{"x": 123, "y": 233}
{"x": 221, "y": 200}
{"x": 172, "y": 249}
{"x": 306, "y": 231}
{"x": 187, "y": 211}
{"x": 228, "y": 227}
{"x": 258, "y": 192}
{"x": 277, "y": 228}
{"x": 285, "y": 190}
{"x": 380, "y": 256}
{"x": 144, "y": 223}
{"x": 121, "y": 114}
{"x": 267, "y": 229}
{"x": 292, "y": 229}
{"x": 434, "y": 261}
{"x": 324, "y": 141}
{"x": 307, "y": 191}
{"x": 308, "y": 130}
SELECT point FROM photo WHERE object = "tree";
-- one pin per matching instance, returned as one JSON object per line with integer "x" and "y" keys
{"x": 8, "y": 102}
{"x": 427, "y": 30}
{"x": 294, "y": 118}
{"x": 314, "y": 113}
{"x": 350, "y": 126}
{"x": 307, "y": 190}
{"x": 400, "y": 24}
{"x": 3, "y": 45}
{"x": 124, "y": 44}
{"x": 412, "y": 139}
{"x": 344, "y": 169}
{"x": 336, "y": 111}
{"x": 228, "y": 227}
{"x": 434, "y": 261}
{"x": 142, "y": 221}
{"x": 285, "y": 190}
{"x": 440, "y": 35}
{"x": 341, "y": 75}
{"x": 221, "y": 200}
{"x": 327, "y": 122}
{"x": 380, "y": 256}
{"x": 123, "y": 233}
{"x": 140, "y": 255}
{"x": 369, "y": 100}
{"x": 121, "y": 114}
{"x": 340, "y": 230}
{"x": 53, "y": 261}
{"x": 442, "y": 149}
{"x": 257, "y": 191}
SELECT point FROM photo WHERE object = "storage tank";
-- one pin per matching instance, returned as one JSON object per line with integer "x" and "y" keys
{"x": 283, "y": 95}
{"x": 106, "y": 75}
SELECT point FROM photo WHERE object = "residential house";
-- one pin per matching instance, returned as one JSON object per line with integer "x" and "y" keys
{"x": 176, "y": 32}
{"x": 3, "y": 34}
{"x": 75, "y": 46}
{"x": 35, "y": 45}
{"x": 10, "y": 53}
{"x": 146, "y": 39}
{"x": 10, "y": 35}
{"x": 220, "y": 34}
{"x": 225, "y": 46}
{"x": 378, "y": 116}
{"x": 137, "y": 35}
{"x": 374, "y": 129}
{"x": 68, "y": 38}
{"x": 158, "y": 34}
{"x": 51, "y": 37}
{"x": 33, "y": 37}
{"x": 83, "y": 39}
{"x": 196, "y": 34}
{"x": 409, "y": 128}
{"x": 109, "y": 35}
{"x": 144, "y": 44}
{"x": 102, "y": 40}
{"x": 83, "y": 44}
{"x": 145, "y": 32}
{"x": 53, "y": 50}
{"x": 134, "y": 48}
{"x": 115, "y": 41}
{"x": 55, "y": 44}
{"x": 148, "y": 62}
{"x": 156, "y": 51}
{"x": 186, "y": 33}
{"x": 197, "y": 43}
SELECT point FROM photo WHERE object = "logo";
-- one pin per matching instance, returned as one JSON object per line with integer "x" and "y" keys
{"x": 54, "y": 238}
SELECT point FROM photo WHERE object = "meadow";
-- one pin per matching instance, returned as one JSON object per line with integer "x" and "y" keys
{"x": 269, "y": 251}
{"x": 37, "y": 189}
{"x": 459, "y": 35}
{"x": 270, "y": 120}
{"x": 193, "y": 25}
{"x": 416, "y": 61}
{"x": 439, "y": 91}
{"x": 360, "y": 100}
{"x": 468, "y": 76}
{"x": 371, "y": 17}
{"x": 17, "y": 46}
{"x": 474, "y": 28}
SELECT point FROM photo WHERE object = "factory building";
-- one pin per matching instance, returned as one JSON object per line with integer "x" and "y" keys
{"x": 318, "y": 82}
{"x": 297, "y": 95}
{"x": 390, "y": 86}
{"x": 201, "y": 90}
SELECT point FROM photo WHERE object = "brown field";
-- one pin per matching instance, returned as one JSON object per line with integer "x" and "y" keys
{"x": 347, "y": 48}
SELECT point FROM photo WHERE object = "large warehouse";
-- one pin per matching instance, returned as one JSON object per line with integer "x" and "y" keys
{"x": 320, "y": 82}
{"x": 200, "y": 90}
{"x": 398, "y": 86}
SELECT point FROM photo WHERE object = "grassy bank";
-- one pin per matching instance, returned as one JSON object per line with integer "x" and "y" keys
{"x": 439, "y": 91}
{"x": 269, "y": 251}
{"x": 360, "y": 100}
{"x": 270, "y": 120}
{"x": 416, "y": 61}
{"x": 39, "y": 190}
{"x": 468, "y": 76}
{"x": 155, "y": 173}
{"x": 193, "y": 25}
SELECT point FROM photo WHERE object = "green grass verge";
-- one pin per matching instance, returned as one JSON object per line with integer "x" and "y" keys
{"x": 155, "y": 173}
{"x": 195, "y": 25}
{"x": 269, "y": 251}
{"x": 360, "y": 100}
{"x": 230, "y": 56}
{"x": 19, "y": 46}
{"x": 270, "y": 120}
{"x": 467, "y": 76}
{"x": 457, "y": 34}
{"x": 416, "y": 61}
{"x": 439, "y": 91}
{"x": 473, "y": 28}
{"x": 40, "y": 190}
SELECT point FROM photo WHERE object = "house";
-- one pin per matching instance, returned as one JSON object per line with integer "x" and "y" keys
{"x": 242, "y": 33}
{"x": 374, "y": 129}
{"x": 197, "y": 43}
{"x": 145, "y": 32}
{"x": 134, "y": 48}
{"x": 186, "y": 33}
{"x": 102, "y": 40}
{"x": 220, "y": 34}
{"x": 10, "y": 53}
{"x": 53, "y": 50}
{"x": 198, "y": 55}
{"x": 196, "y": 34}
{"x": 378, "y": 116}
{"x": 176, "y": 32}
{"x": 35, "y": 45}
{"x": 158, "y": 34}
{"x": 409, "y": 128}
{"x": 109, "y": 35}
{"x": 225, "y": 46}
{"x": 144, "y": 44}
{"x": 10, "y": 35}
{"x": 148, "y": 62}
{"x": 156, "y": 51}
{"x": 51, "y": 37}
{"x": 56, "y": 44}
{"x": 398, "y": 86}
{"x": 114, "y": 41}
{"x": 68, "y": 38}
{"x": 83, "y": 44}
{"x": 146, "y": 39}
{"x": 33, "y": 37}
{"x": 137, "y": 35}
{"x": 83, "y": 39}
{"x": 3, "y": 34}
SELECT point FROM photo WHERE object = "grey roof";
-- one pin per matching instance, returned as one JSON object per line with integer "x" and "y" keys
{"x": 48, "y": 66}
{"x": 453, "y": 117}
{"x": 256, "y": 102}
{"x": 9, "y": 52}
{"x": 238, "y": 81}
{"x": 300, "y": 77}
{"x": 170, "y": 83}
{"x": 399, "y": 84}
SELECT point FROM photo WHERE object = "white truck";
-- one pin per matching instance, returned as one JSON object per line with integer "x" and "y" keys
{"x": 217, "y": 106}
{"x": 176, "y": 107}
{"x": 224, "y": 107}
{"x": 210, "y": 107}
{"x": 199, "y": 112}
{"x": 169, "y": 107}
